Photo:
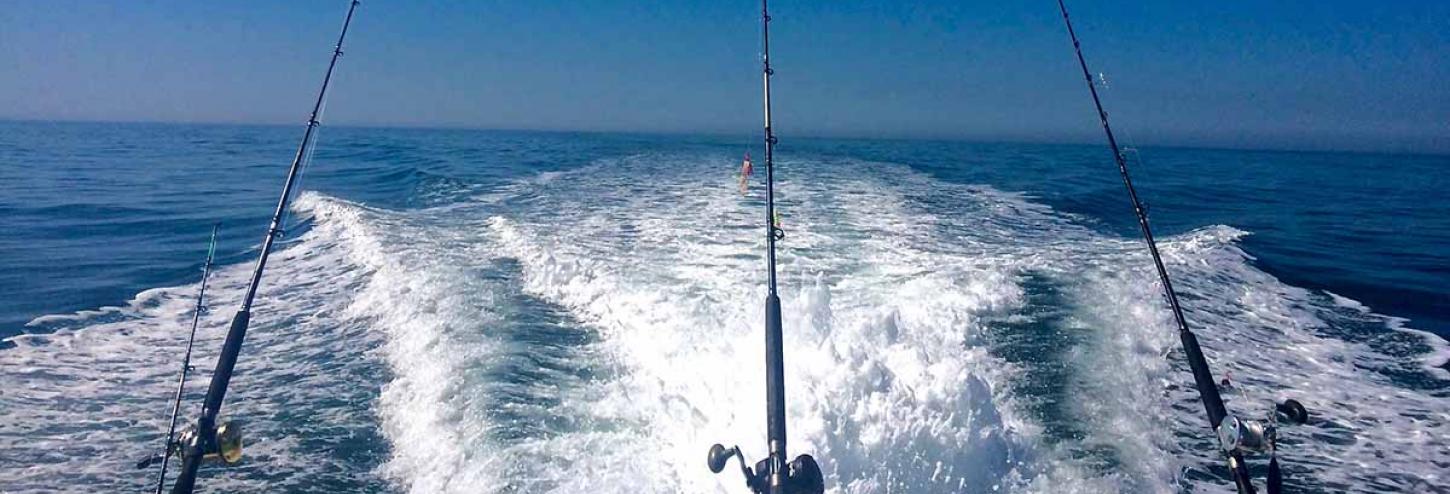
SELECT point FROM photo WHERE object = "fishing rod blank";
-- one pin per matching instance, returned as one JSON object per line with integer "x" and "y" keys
{"x": 772, "y": 475}
{"x": 186, "y": 361}
{"x": 1235, "y": 435}
{"x": 225, "y": 441}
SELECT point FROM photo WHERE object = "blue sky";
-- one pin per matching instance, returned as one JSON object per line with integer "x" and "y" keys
{"x": 1285, "y": 74}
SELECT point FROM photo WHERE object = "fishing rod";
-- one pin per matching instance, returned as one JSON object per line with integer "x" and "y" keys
{"x": 1236, "y": 436}
{"x": 186, "y": 361}
{"x": 772, "y": 475}
{"x": 206, "y": 439}
{"x": 170, "y": 447}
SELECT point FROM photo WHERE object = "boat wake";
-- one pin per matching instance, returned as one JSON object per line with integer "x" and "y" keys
{"x": 598, "y": 329}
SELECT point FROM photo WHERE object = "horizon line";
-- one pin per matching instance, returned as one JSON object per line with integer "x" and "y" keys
{"x": 849, "y": 136}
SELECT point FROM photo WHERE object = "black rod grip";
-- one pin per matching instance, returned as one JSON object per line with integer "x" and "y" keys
{"x": 775, "y": 386}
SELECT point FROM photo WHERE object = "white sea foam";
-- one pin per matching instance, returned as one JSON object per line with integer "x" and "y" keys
{"x": 1434, "y": 361}
{"x": 883, "y": 387}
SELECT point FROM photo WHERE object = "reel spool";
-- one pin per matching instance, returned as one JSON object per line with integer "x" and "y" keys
{"x": 1256, "y": 436}
{"x": 1235, "y": 434}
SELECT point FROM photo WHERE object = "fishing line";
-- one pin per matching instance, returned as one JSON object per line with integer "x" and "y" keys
{"x": 289, "y": 221}
{"x": 1131, "y": 152}
{"x": 288, "y": 216}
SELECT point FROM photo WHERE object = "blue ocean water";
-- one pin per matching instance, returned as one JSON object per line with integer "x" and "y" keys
{"x": 459, "y": 310}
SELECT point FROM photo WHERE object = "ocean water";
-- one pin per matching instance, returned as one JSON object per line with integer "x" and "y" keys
{"x": 474, "y": 311}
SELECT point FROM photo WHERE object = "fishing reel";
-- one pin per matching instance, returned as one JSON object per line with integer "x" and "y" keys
{"x": 223, "y": 445}
{"x": 1243, "y": 436}
{"x": 1256, "y": 436}
{"x": 802, "y": 475}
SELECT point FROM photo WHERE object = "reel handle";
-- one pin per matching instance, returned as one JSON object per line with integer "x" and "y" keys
{"x": 1294, "y": 410}
{"x": 719, "y": 456}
